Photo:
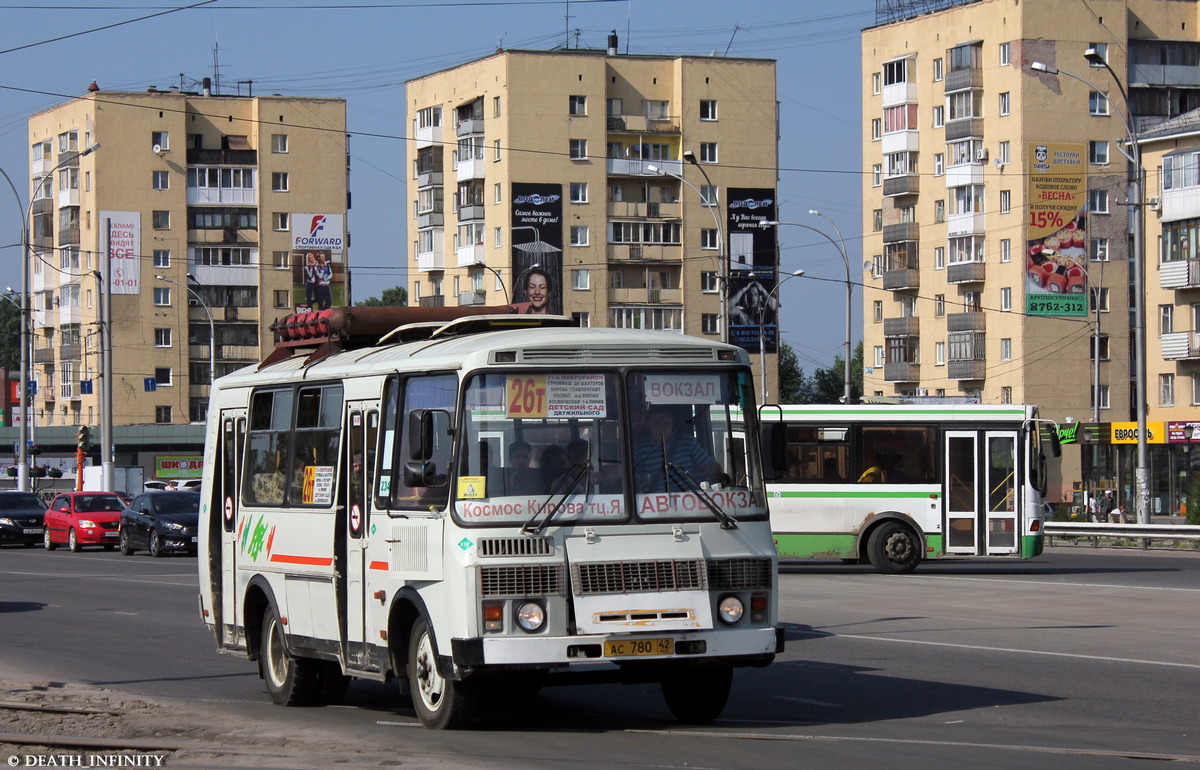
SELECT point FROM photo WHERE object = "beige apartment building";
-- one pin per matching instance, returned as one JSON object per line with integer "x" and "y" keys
{"x": 996, "y": 212}
{"x": 202, "y": 204}
{"x": 601, "y": 186}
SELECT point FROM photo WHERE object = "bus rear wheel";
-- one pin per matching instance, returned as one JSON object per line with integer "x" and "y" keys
{"x": 290, "y": 681}
{"x": 440, "y": 703}
{"x": 893, "y": 549}
{"x": 697, "y": 696}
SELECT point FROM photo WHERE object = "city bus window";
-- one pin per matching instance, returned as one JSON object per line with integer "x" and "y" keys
{"x": 267, "y": 456}
{"x": 897, "y": 455}
{"x": 435, "y": 392}
{"x": 317, "y": 436}
{"x": 817, "y": 454}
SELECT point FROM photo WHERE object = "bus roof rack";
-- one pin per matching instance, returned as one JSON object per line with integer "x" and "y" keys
{"x": 348, "y": 328}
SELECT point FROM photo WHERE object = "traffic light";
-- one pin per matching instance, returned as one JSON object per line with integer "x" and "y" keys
{"x": 82, "y": 436}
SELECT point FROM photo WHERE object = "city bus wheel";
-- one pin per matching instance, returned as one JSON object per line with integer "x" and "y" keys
{"x": 893, "y": 549}
{"x": 697, "y": 696}
{"x": 290, "y": 681}
{"x": 440, "y": 703}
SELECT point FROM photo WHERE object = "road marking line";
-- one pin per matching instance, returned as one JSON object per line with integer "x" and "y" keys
{"x": 809, "y": 702}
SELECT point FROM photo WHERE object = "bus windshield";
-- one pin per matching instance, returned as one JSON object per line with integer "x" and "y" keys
{"x": 561, "y": 448}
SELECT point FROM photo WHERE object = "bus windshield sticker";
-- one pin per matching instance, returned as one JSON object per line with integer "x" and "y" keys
{"x": 555, "y": 395}
{"x": 515, "y": 510}
{"x": 690, "y": 388}
{"x": 318, "y": 485}
{"x": 472, "y": 487}
{"x": 660, "y": 505}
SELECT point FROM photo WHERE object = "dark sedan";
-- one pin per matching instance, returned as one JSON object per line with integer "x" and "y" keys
{"x": 21, "y": 518}
{"x": 160, "y": 522}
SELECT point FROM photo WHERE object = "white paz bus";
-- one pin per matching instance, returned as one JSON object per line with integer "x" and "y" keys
{"x": 466, "y": 499}
{"x": 893, "y": 485}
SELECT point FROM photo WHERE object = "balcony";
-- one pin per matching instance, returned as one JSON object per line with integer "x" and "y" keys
{"x": 70, "y": 352}
{"x": 906, "y": 184}
{"x": 469, "y": 256}
{"x": 900, "y": 141}
{"x": 637, "y": 167}
{"x": 904, "y": 231}
{"x": 68, "y": 197}
{"x": 43, "y": 356}
{"x": 966, "y": 322}
{"x": 437, "y": 300}
{"x": 898, "y": 280}
{"x": 222, "y": 157}
{"x": 904, "y": 326}
{"x": 900, "y": 93}
{"x": 965, "y": 272}
{"x": 964, "y": 128}
{"x": 1180, "y": 346}
{"x": 466, "y": 298}
{"x": 469, "y": 127}
{"x": 239, "y": 195}
{"x": 427, "y": 136}
{"x": 643, "y": 296}
{"x": 621, "y": 252}
{"x": 967, "y": 370}
{"x": 957, "y": 80}
{"x": 471, "y": 168}
{"x": 428, "y": 178}
{"x": 965, "y": 174}
{"x": 1179, "y": 203}
{"x": 970, "y": 223}
{"x": 228, "y": 275}
{"x": 470, "y": 212}
{"x": 68, "y": 235}
{"x": 637, "y": 210}
{"x": 901, "y": 372}
{"x": 1181, "y": 274}
{"x": 431, "y": 260}
{"x": 431, "y": 219}
{"x": 640, "y": 124}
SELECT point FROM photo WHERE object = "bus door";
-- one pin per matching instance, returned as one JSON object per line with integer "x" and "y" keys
{"x": 223, "y": 521}
{"x": 358, "y": 463}
{"x": 981, "y": 492}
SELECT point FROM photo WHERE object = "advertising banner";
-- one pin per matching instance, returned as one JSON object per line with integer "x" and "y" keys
{"x": 753, "y": 305}
{"x": 1177, "y": 433}
{"x": 318, "y": 261}
{"x": 178, "y": 466}
{"x": 121, "y": 235}
{"x": 1056, "y": 231}
{"x": 1127, "y": 432}
{"x": 537, "y": 244}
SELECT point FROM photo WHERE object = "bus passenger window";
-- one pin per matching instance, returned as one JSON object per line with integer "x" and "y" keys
{"x": 897, "y": 455}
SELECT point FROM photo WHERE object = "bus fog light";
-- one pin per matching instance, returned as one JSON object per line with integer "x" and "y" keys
{"x": 730, "y": 610}
{"x": 531, "y": 616}
{"x": 493, "y": 617}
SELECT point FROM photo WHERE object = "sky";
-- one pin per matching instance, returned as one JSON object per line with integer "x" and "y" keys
{"x": 364, "y": 51}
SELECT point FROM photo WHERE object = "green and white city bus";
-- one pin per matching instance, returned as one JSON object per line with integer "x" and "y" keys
{"x": 892, "y": 485}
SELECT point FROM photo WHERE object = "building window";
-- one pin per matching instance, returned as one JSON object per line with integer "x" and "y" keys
{"x": 1103, "y": 347}
{"x": 1103, "y": 397}
{"x": 1166, "y": 319}
{"x": 1005, "y": 103}
{"x": 1196, "y": 390}
{"x": 579, "y": 235}
{"x": 877, "y": 220}
{"x": 877, "y": 312}
{"x": 876, "y": 128}
{"x": 498, "y": 192}
{"x": 1006, "y": 299}
{"x": 279, "y": 181}
{"x": 709, "y": 194}
{"x": 497, "y": 237}
{"x": 875, "y": 82}
{"x": 708, "y": 109}
{"x": 709, "y": 238}
{"x": 162, "y": 296}
{"x": 708, "y": 152}
{"x": 281, "y": 260}
{"x": 496, "y": 155}
{"x": 1006, "y": 349}
{"x": 1166, "y": 389}
{"x": 939, "y": 258}
{"x": 939, "y": 164}
{"x": 877, "y": 175}
{"x": 162, "y": 375}
{"x": 162, "y": 257}
{"x": 162, "y": 338}
{"x": 1004, "y": 153}
{"x": 281, "y": 221}
{"x": 939, "y": 116}
{"x": 279, "y": 143}
{"x": 1097, "y": 103}
{"x": 1005, "y": 250}
{"x": 939, "y": 354}
{"x": 1099, "y": 249}
{"x": 580, "y": 280}
{"x": 1006, "y": 394}
{"x": 1005, "y": 201}
{"x": 282, "y": 298}
{"x": 495, "y": 107}
{"x": 709, "y": 323}
{"x": 579, "y": 192}
{"x": 939, "y": 211}
{"x": 1099, "y": 297}
{"x": 160, "y": 140}
{"x": 577, "y": 105}
{"x": 578, "y": 149}
{"x": 1098, "y": 152}
{"x": 160, "y": 180}
{"x": 879, "y": 359}
{"x": 582, "y": 320}
{"x": 160, "y": 220}
{"x": 1098, "y": 201}
{"x": 162, "y": 415}
{"x": 708, "y": 281}
{"x": 939, "y": 305}
{"x": 937, "y": 70}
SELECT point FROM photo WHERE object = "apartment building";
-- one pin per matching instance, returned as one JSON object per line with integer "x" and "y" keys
{"x": 202, "y": 204}
{"x": 601, "y": 186}
{"x": 996, "y": 211}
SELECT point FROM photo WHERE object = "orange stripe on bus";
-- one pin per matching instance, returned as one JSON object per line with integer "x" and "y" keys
{"x": 315, "y": 561}
{"x": 382, "y": 565}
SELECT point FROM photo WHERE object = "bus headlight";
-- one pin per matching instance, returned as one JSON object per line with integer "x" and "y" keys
{"x": 531, "y": 616}
{"x": 730, "y": 610}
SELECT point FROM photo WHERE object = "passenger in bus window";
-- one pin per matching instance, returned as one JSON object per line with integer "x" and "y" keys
{"x": 522, "y": 480}
{"x": 552, "y": 464}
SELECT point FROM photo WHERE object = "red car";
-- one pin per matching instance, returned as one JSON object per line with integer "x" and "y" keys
{"x": 77, "y": 519}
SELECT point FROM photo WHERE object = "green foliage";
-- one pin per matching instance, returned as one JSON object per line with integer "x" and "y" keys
{"x": 397, "y": 296}
{"x": 825, "y": 386}
{"x": 10, "y": 336}
{"x": 1193, "y": 502}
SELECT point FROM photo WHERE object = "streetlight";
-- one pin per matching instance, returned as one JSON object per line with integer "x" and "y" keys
{"x": 496, "y": 272}
{"x": 1142, "y": 471}
{"x": 762, "y": 353}
{"x": 1188, "y": 431}
{"x": 212, "y": 337}
{"x": 714, "y": 209}
{"x": 840, "y": 245}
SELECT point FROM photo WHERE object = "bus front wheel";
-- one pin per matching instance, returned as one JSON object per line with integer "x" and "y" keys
{"x": 697, "y": 696}
{"x": 290, "y": 681}
{"x": 440, "y": 703}
{"x": 893, "y": 549}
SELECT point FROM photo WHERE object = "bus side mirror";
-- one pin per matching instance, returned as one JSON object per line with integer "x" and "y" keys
{"x": 427, "y": 429}
{"x": 773, "y": 443}
{"x": 1055, "y": 444}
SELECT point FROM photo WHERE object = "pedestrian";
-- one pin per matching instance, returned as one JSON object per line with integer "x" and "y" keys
{"x": 1108, "y": 505}
{"x": 1093, "y": 507}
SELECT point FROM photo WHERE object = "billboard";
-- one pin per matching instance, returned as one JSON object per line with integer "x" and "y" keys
{"x": 121, "y": 237}
{"x": 318, "y": 261}
{"x": 1056, "y": 231}
{"x": 537, "y": 244}
{"x": 752, "y": 302}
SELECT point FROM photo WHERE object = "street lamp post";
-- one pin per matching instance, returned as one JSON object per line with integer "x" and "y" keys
{"x": 1142, "y": 470}
{"x": 496, "y": 272}
{"x": 212, "y": 337}
{"x": 840, "y": 245}
{"x": 1188, "y": 431}
{"x": 762, "y": 353}
{"x": 714, "y": 209}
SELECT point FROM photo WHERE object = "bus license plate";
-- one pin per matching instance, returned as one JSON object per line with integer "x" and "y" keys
{"x": 624, "y": 648}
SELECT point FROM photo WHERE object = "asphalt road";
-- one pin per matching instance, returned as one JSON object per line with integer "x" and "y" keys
{"x": 1080, "y": 658}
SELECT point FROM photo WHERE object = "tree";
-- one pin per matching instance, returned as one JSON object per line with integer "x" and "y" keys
{"x": 828, "y": 385}
{"x": 10, "y": 336}
{"x": 794, "y": 387}
{"x": 397, "y": 296}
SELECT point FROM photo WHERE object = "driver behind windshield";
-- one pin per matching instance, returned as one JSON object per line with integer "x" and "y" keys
{"x": 665, "y": 448}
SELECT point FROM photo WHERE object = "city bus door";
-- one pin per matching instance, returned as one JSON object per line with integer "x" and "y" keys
{"x": 1003, "y": 500}
{"x": 224, "y": 522}
{"x": 963, "y": 493}
{"x": 981, "y": 493}
{"x": 358, "y": 462}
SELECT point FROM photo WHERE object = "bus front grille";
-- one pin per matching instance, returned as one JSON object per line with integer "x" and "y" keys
{"x": 522, "y": 580}
{"x": 514, "y": 546}
{"x": 739, "y": 574}
{"x": 637, "y": 576}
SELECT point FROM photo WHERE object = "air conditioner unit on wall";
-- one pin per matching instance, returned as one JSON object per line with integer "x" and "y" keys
{"x": 981, "y": 154}
{"x": 922, "y": 392}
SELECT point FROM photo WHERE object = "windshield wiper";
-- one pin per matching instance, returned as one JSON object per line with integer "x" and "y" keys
{"x": 727, "y": 521}
{"x": 563, "y": 488}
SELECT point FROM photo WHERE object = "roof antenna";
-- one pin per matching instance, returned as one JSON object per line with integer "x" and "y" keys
{"x": 735, "y": 31}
